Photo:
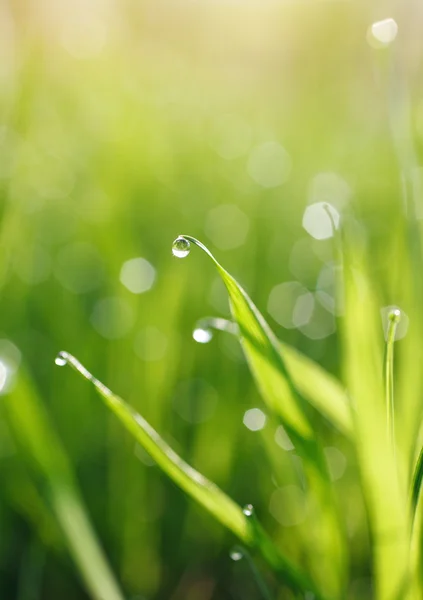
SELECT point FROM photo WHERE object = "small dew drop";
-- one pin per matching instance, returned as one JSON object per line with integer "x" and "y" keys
{"x": 248, "y": 510}
{"x": 180, "y": 247}
{"x": 385, "y": 31}
{"x": 395, "y": 315}
{"x": 60, "y": 361}
{"x": 236, "y": 554}
{"x": 202, "y": 336}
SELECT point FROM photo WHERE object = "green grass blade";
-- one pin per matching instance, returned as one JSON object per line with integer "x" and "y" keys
{"x": 417, "y": 482}
{"x": 206, "y": 493}
{"x": 323, "y": 391}
{"x": 239, "y": 552}
{"x": 277, "y": 388}
{"x": 317, "y": 386}
{"x": 393, "y": 320}
{"x": 383, "y": 489}
{"x": 36, "y": 436}
{"x": 417, "y": 521}
{"x": 262, "y": 351}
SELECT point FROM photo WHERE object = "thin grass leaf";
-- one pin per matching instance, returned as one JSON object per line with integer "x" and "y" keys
{"x": 262, "y": 351}
{"x": 277, "y": 388}
{"x": 36, "y": 436}
{"x": 417, "y": 482}
{"x": 239, "y": 552}
{"x": 206, "y": 493}
{"x": 20, "y": 492}
{"x": 384, "y": 493}
{"x": 417, "y": 522}
{"x": 323, "y": 391}
{"x": 393, "y": 320}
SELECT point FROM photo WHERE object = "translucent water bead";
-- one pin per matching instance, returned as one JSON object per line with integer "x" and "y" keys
{"x": 180, "y": 247}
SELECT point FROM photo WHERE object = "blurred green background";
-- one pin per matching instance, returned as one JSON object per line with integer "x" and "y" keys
{"x": 124, "y": 124}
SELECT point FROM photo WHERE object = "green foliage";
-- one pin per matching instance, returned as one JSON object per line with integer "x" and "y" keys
{"x": 52, "y": 470}
{"x": 278, "y": 390}
{"x": 375, "y": 443}
{"x": 124, "y": 123}
{"x": 241, "y": 522}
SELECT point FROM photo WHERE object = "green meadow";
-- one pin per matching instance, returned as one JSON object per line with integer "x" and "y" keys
{"x": 211, "y": 298}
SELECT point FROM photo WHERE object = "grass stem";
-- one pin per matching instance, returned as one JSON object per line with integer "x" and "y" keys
{"x": 393, "y": 320}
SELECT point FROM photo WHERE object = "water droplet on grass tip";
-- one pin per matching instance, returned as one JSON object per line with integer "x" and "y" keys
{"x": 60, "y": 360}
{"x": 180, "y": 247}
{"x": 248, "y": 510}
{"x": 384, "y": 31}
{"x": 395, "y": 315}
{"x": 202, "y": 336}
{"x": 236, "y": 554}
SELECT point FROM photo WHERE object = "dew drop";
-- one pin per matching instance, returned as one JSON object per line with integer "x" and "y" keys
{"x": 395, "y": 315}
{"x": 236, "y": 554}
{"x": 385, "y": 31}
{"x": 180, "y": 247}
{"x": 202, "y": 336}
{"x": 248, "y": 510}
{"x": 60, "y": 360}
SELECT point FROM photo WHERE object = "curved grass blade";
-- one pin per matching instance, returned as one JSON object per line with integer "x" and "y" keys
{"x": 262, "y": 351}
{"x": 278, "y": 390}
{"x": 206, "y": 493}
{"x": 34, "y": 433}
{"x": 319, "y": 388}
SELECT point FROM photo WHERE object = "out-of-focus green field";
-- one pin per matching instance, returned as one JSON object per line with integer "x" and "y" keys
{"x": 124, "y": 124}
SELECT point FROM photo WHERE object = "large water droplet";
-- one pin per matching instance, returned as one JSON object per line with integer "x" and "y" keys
{"x": 202, "y": 336}
{"x": 180, "y": 247}
{"x": 236, "y": 554}
{"x": 248, "y": 510}
{"x": 60, "y": 360}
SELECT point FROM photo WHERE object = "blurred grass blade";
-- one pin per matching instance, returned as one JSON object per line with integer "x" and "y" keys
{"x": 21, "y": 493}
{"x": 317, "y": 386}
{"x": 36, "y": 436}
{"x": 385, "y": 496}
{"x": 206, "y": 493}
{"x": 238, "y": 553}
{"x": 417, "y": 521}
{"x": 322, "y": 390}
{"x": 417, "y": 482}
{"x": 277, "y": 388}
{"x": 393, "y": 320}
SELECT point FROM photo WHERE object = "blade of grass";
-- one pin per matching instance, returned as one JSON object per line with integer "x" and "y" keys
{"x": 382, "y": 487}
{"x": 206, "y": 493}
{"x": 417, "y": 482}
{"x": 35, "y": 435}
{"x": 417, "y": 522}
{"x": 239, "y": 552}
{"x": 278, "y": 390}
{"x": 262, "y": 352}
{"x": 393, "y": 320}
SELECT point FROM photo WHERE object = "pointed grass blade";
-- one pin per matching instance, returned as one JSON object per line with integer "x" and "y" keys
{"x": 278, "y": 390}
{"x": 384, "y": 493}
